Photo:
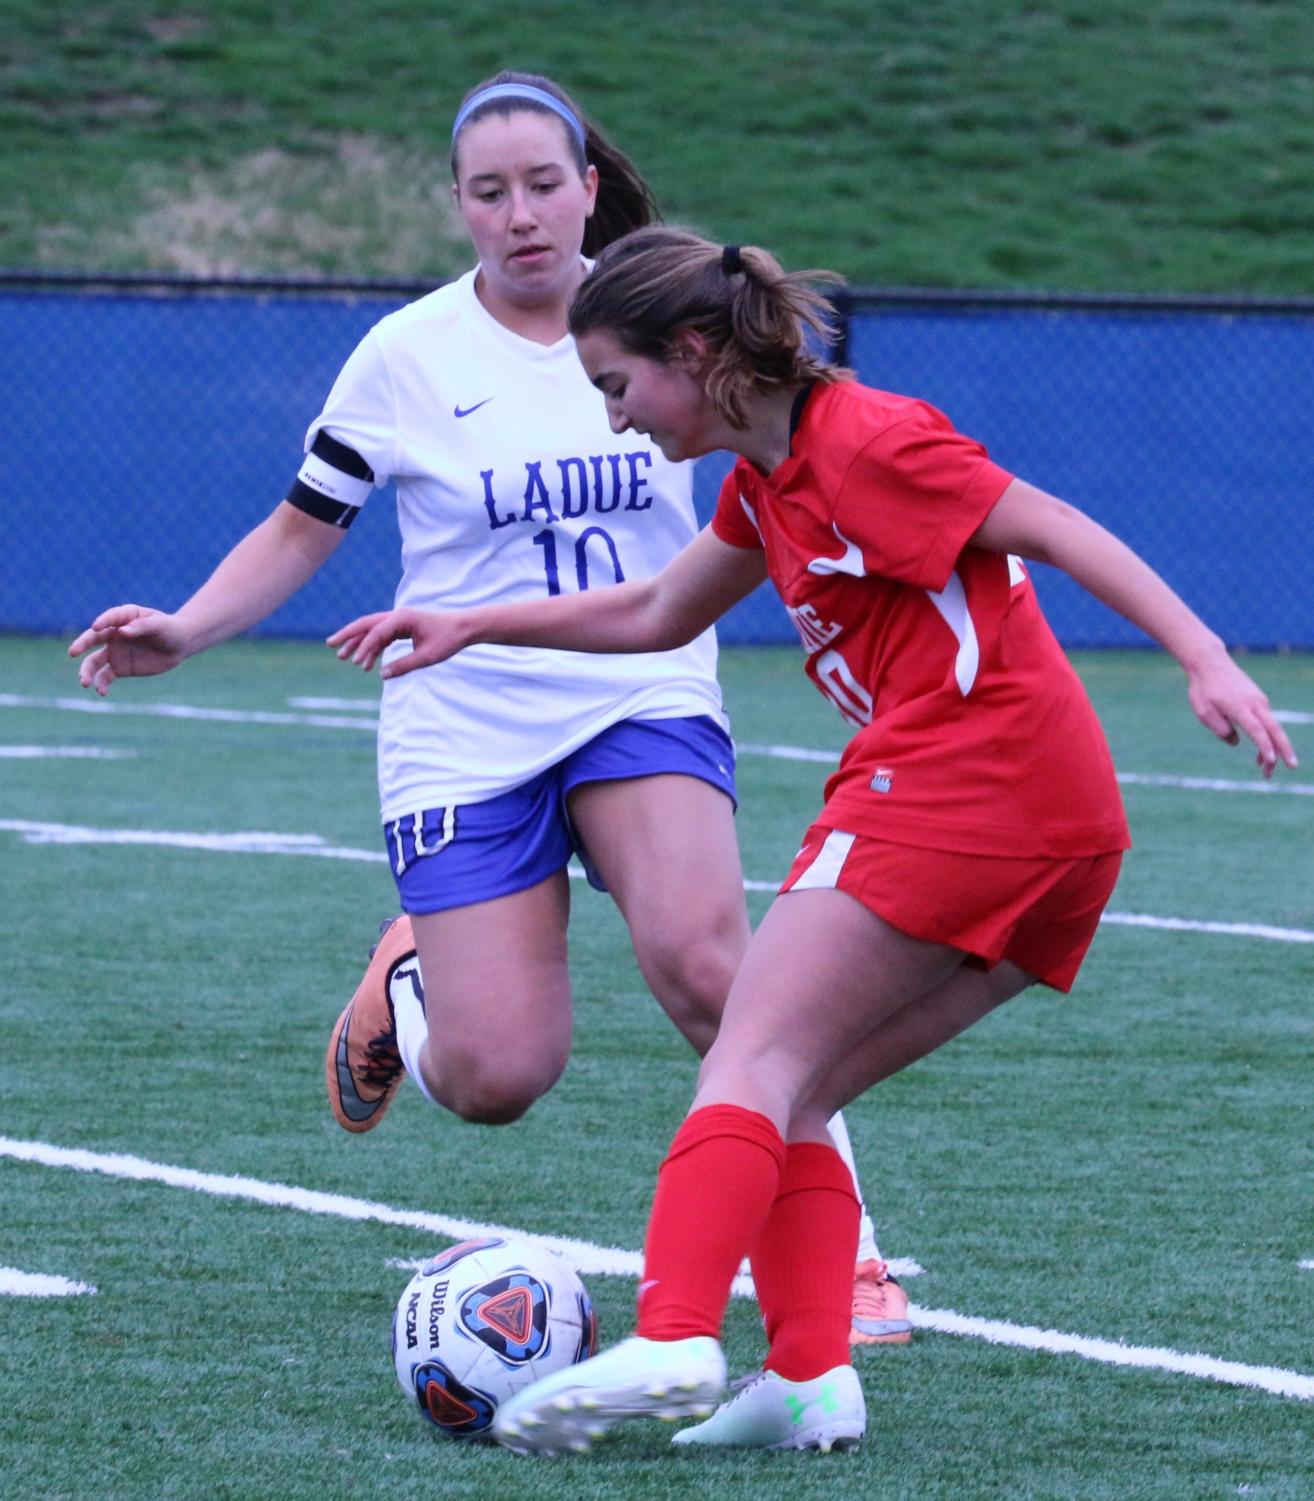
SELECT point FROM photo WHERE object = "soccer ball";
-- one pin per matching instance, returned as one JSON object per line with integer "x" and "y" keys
{"x": 482, "y": 1321}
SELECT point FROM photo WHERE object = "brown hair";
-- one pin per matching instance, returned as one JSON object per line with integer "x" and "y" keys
{"x": 625, "y": 201}
{"x": 755, "y": 316}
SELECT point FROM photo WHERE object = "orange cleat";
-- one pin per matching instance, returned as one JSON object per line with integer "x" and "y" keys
{"x": 363, "y": 1067}
{"x": 880, "y": 1307}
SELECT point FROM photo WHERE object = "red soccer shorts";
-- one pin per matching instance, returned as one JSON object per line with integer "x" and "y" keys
{"x": 1037, "y": 912}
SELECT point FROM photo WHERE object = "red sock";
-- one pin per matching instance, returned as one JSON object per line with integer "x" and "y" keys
{"x": 714, "y": 1192}
{"x": 803, "y": 1263}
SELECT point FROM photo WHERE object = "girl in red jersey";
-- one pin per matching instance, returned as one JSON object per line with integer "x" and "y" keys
{"x": 970, "y": 837}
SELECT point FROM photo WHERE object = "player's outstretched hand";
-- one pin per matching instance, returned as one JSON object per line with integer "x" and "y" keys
{"x": 432, "y": 634}
{"x": 1229, "y": 702}
{"x": 130, "y": 641}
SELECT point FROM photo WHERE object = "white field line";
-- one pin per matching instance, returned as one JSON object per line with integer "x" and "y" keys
{"x": 1225, "y": 929}
{"x": 583, "y": 1255}
{"x": 603, "y": 1261}
{"x": 1127, "y": 778}
{"x": 1214, "y": 784}
{"x": 63, "y": 752}
{"x": 1275, "y": 1379}
{"x": 600, "y": 1260}
{"x": 93, "y": 705}
{"x": 33, "y": 832}
{"x": 253, "y": 843}
{"x": 1293, "y": 716}
{"x": 1307, "y": 1266}
{"x": 361, "y": 721}
{"x": 350, "y": 705}
{"x": 16, "y": 1284}
{"x": 787, "y": 752}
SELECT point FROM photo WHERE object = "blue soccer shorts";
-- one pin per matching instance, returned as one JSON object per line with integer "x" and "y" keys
{"x": 454, "y": 857}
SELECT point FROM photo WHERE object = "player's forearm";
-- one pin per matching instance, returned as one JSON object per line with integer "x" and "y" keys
{"x": 694, "y": 589}
{"x": 1034, "y": 524}
{"x": 262, "y": 572}
{"x": 626, "y": 618}
{"x": 1121, "y": 579}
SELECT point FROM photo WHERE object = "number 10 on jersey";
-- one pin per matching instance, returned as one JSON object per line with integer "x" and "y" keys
{"x": 547, "y": 540}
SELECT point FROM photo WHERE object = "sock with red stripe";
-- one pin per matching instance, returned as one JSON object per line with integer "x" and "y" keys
{"x": 803, "y": 1263}
{"x": 714, "y": 1193}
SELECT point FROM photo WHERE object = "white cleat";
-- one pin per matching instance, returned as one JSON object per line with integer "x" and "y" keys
{"x": 638, "y": 1378}
{"x": 768, "y": 1412}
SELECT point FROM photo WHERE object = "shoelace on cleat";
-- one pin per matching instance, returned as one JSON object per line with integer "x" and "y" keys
{"x": 869, "y": 1288}
{"x": 383, "y": 1060}
{"x": 742, "y": 1384}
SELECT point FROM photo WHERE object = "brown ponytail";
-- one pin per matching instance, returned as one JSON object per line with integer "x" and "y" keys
{"x": 625, "y": 201}
{"x": 755, "y": 316}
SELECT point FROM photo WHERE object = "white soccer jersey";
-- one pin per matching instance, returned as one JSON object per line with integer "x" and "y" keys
{"x": 510, "y": 486}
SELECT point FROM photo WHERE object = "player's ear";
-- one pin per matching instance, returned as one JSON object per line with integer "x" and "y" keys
{"x": 689, "y": 350}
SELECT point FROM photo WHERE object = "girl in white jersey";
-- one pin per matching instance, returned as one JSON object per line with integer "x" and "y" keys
{"x": 493, "y": 767}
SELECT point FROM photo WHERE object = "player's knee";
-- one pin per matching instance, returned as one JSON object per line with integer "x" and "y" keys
{"x": 494, "y": 1091}
{"x": 692, "y": 976}
{"x": 492, "y": 1107}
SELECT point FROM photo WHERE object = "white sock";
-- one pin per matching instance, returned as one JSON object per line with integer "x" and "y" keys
{"x": 412, "y": 1028}
{"x": 839, "y": 1134}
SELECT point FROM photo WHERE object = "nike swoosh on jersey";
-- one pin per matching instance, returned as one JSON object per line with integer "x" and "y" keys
{"x": 460, "y": 411}
{"x": 850, "y": 563}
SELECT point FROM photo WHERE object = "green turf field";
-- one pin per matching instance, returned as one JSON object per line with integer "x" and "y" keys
{"x": 1132, "y": 1164}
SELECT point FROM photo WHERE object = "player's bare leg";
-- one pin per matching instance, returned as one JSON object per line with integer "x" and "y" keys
{"x": 821, "y": 974}
{"x": 815, "y": 981}
{"x": 665, "y": 845}
{"x": 924, "y": 1025}
{"x": 485, "y": 1035}
{"x": 655, "y": 840}
{"x": 881, "y": 1311}
{"x": 496, "y": 1009}
{"x": 825, "y": 973}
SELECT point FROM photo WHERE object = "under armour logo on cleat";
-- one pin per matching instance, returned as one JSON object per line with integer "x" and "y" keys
{"x": 798, "y": 1406}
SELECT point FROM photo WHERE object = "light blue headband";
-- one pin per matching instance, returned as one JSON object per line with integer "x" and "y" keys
{"x": 519, "y": 91}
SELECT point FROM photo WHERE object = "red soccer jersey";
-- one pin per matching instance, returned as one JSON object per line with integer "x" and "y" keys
{"x": 975, "y": 735}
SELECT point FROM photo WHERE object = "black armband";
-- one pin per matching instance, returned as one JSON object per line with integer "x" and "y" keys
{"x": 333, "y": 482}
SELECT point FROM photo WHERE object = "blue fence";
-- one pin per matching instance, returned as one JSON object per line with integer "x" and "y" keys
{"x": 146, "y": 426}
{"x": 1188, "y": 431}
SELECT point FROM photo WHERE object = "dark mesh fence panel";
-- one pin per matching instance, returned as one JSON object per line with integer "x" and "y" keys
{"x": 145, "y": 430}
